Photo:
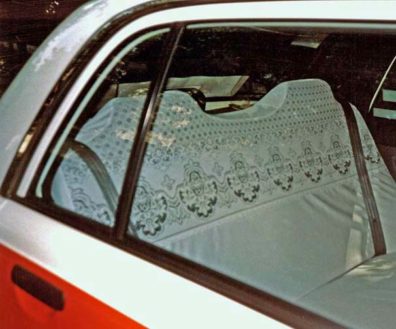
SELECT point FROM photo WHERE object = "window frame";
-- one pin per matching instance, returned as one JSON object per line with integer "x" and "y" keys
{"x": 236, "y": 290}
{"x": 66, "y": 216}
{"x": 71, "y": 218}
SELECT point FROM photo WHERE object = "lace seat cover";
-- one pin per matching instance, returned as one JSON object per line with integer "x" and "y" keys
{"x": 110, "y": 134}
{"x": 269, "y": 195}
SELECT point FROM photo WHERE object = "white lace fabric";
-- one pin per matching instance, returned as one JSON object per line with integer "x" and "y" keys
{"x": 269, "y": 195}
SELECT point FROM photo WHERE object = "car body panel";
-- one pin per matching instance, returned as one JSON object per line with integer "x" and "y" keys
{"x": 140, "y": 290}
{"x": 21, "y": 310}
{"x": 108, "y": 278}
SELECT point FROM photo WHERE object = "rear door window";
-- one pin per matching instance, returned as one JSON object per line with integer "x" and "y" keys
{"x": 248, "y": 168}
{"x": 86, "y": 167}
{"x": 243, "y": 167}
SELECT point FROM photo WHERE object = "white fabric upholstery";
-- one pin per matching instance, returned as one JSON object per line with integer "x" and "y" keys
{"x": 110, "y": 134}
{"x": 363, "y": 298}
{"x": 383, "y": 184}
{"x": 205, "y": 167}
{"x": 269, "y": 196}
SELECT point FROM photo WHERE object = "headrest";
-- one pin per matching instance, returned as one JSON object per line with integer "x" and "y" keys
{"x": 289, "y": 94}
{"x": 296, "y": 94}
{"x": 118, "y": 110}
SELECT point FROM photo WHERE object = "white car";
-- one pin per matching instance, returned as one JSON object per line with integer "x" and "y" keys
{"x": 203, "y": 164}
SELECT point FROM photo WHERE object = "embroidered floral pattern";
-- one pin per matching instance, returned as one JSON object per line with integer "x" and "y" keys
{"x": 168, "y": 182}
{"x": 198, "y": 191}
{"x": 149, "y": 210}
{"x": 242, "y": 179}
{"x": 370, "y": 151}
{"x": 201, "y": 167}
{"x": 311, "y": 162}
{"x": 280, "y": 169}
{"x": 339, "y": 155}
{"x": 84, "y": 206}
{"x": 161, "y": 156}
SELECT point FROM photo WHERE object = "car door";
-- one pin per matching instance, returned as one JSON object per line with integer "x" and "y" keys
{"x": 67, "y": 254}
{"x": 60, "y": 269}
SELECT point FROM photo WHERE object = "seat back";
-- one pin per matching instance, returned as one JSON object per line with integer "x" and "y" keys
{"x": 269, "y": 196}
{"x": 109, "y": 134}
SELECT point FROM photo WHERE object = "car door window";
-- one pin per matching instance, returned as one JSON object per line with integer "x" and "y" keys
{"x": 244, "y": 146}
{"x": 382, "y": 117}
{"x": 85, "y": 170}
{"x": 248, "y": 169}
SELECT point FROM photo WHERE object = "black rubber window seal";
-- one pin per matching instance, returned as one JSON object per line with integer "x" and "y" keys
{"x": 149, "y": 112}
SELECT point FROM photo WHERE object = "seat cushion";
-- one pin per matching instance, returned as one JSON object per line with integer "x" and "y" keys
{"x": 286, "y": 247}
{"x": 363, "y": 298}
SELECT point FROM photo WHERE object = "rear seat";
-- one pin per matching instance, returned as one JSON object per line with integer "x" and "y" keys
{"x": 109, "y": 134}
{"x": 270, "y": 198}
{"x": 365, "y": 297}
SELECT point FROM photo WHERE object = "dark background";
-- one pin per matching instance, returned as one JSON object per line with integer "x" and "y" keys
{"x": 24, "y": 24}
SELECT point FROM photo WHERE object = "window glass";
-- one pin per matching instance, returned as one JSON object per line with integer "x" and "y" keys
{"x": 229, "y": 69}
{"x": 384, "y": 103}
{"x": 249, "y": 168}
{"x": 382, "y": 115}
{"x": 85, "y": 170}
